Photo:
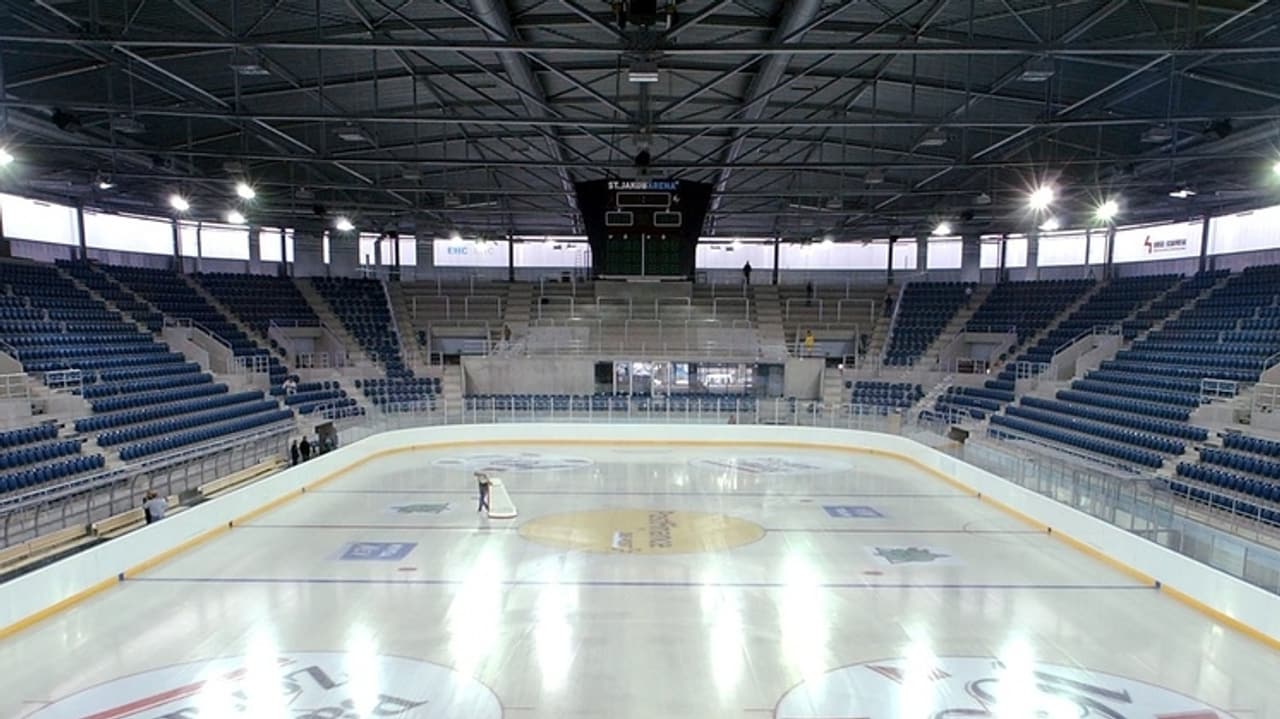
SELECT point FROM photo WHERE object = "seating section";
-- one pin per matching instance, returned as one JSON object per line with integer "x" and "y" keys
{"x": 257, "y": 300}
{"x": 182, "y": 433}
{"x": 1173, "y": 300}
{"x": 1108, "y": 307}
{"x": 31, "y": 456}
{"x": 361, "y": 305}
{"x": 603, "y": 402}
{"x": 1232, "y": 334}
{"x": 1118, "y": 450}
{"x": 1244, "y": 477}
{"x": 326, "y": 397}
{"x": 90, "y": 277}
{"x": 49, "y": 324}
{"x": 173, "y": 296}
{"x": 1028, "y": 307}
{"x": 407, "y": 393}
{"x": 884, "y": 394}
{"x": 925, "y": 309}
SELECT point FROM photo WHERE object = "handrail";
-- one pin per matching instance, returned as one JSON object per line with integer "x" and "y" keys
{"x": 217, "y": 337}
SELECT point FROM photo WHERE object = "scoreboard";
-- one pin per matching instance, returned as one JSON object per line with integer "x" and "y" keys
{"x": 644, "y": 228}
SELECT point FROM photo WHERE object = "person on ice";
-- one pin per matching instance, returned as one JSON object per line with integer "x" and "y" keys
{"x": 482, "y": 480}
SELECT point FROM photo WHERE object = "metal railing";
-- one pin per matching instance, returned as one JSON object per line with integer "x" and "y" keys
{"x": 15, "y": 386}
{"x": 1211, "y": 389}
{"x": 64, "y": 381}
{"x": 252, "y": 364}
{"x": 88, "y": 499}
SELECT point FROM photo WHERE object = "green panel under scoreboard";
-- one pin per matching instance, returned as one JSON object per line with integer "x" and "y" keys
{"x": 660, "y": 256}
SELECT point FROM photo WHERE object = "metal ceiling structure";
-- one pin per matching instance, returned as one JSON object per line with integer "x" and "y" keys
{"x": 855, "y": 119}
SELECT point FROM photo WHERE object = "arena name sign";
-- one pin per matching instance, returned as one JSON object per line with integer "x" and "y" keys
{"x": 659, "y": 185}
{"x": 320, "y": 685}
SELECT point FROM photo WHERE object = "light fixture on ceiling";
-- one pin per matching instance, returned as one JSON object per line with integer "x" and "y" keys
{"x": 128, "y": 125}
{"x": 350, "y": 133}
{"x": 235, "y": 217}
{"x": 1050, "y": 224}
{"x": 934, "y": 138}
{"x": 342, "y": 224}
{"x": 1182, "y": 192}
{"x": 643, "y": 71}
{"x": 455, "y": 236}
{"x": 245, "y": 191}
{"x": 982, "y": 200}
{"x": 304, "y": 193}
{"x": 179, "y": 203}
{"x": 1038, "y": 70}
{"x": 1108, "y": 210}
{"x": 943, "y": 229}
{"x": 6, "y": 157}
{"x": 249, "y": 68}
{"x": 1276, "y": 167}
{"x": 1041, "y": 197}
{"x": 1157, "y": 135}
{"x": 104, "y": 183}
{"x": 875, "y": 176}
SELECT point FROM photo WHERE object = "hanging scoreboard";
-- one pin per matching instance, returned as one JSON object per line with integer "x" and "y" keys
{"x": 643, "y": 227}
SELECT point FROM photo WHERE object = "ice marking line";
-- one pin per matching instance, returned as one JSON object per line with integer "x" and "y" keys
{"x": 891, "y": 530}
{"x": 414, "y": 527}
{"x": 656, "y": 493}
{"x": 642, "y": 584}
{"x": 475, "y": 528}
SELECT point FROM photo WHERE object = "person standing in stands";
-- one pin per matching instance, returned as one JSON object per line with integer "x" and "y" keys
{"x": 293, "y": 453}
{"x": 746, "y": 274}
{"x": 482, "y": 480}
{"x": 506, "y": 333}
{"x": 808, "y": 294}
{"x": 154, "y": 507}
{"x": 809, "y": 341}
{"x": 305, "y": 449}
{"x": 290, "y": 386}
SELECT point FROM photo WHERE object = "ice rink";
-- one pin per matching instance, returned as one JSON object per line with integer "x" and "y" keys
{"x": 637, "y": 581}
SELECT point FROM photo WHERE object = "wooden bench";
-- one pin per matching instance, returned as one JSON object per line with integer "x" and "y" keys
{"x": 34, "y": 549}
{"x": 235, "y": 479}
{"x": 118, "y": 524}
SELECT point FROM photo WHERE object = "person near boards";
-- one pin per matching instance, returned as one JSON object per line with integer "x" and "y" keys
{"x": 293, "y": 453}
{"x": 482, "y": 480}
{"x": 154, "y": 506}
{"x": 304, "y": 448}
{"x": 746, "y": 273}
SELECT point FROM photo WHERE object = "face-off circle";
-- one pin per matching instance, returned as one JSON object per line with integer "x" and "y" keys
{"x": 641, "y": 531}
{"x": 312, "y": 684}
{"x": 512, "y": 462}
{"x": 938, "y": 687}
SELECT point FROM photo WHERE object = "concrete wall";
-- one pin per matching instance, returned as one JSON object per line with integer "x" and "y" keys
{"x": 27, "y": 599}
{"x": 802, "y": 378}
{"x": 528, "y": 375}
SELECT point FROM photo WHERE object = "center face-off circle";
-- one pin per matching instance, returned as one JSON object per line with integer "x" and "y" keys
{"x": 983, "y": 687}
{"x": 642, "y": 531}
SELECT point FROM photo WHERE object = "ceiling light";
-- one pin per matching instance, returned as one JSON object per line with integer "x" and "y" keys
{"x": 934, "y": 138}
{"x": 455, "y": 236}
{"x": 235, "y": 217}
{"x": 1041, "y": 197}
{"x": 245, "y": 191}
{"x": 943, "y": 229}
{"x": 250, "y": 69}
{"x": 342, "y": 224}
{"x": 179, "y": 203}
{"x": 1182, "y": 192}
{"x": 1108, "y": 210}
{"x": 105, "y": 184}
{"x": 354, "y": 134}
{"x": 1038, "y": 70}
{"x": 128, "y": 125}
{"x": 1157, "y": 135}
{"x": 982, "y": 200}
{"x": 1276, "y": 167}
{"x": 643, "y": 71}
{"x": 5, "y": 157}
{"x": 1050, "y": 225}
{"x": 875, "y": 176}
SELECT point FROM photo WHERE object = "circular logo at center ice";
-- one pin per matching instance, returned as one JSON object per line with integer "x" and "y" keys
{"x": 940, "y": 687}
{"x": 513, "y": 462}
{"x": 769, "y": 464}
{"x": 316, "y": 685}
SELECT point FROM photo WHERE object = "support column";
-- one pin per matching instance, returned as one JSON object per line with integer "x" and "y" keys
{"x": 5, "y": 249}
{"x": 971, "y": 258}
{"x": 84, "y": 247}
{"x": 177, "y": 246}
{"x": 1002, "y": 271}
{"x": 893, "y": 240}
{"x": 1204, "y": 243}
{"x": 777, "y": 254}
{"x": 511, "y": 259}
{"x": 426, "y": 253}
{"x": 1109, "y": 268}
{"x": 922, "y": 253}
{"x": 1033, "y": 255}
{"x": 255, "y": 249}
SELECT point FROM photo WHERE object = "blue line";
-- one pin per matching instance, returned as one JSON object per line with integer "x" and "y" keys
{"x": 635, "y": 584}
{"x": 570, "y": 493}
